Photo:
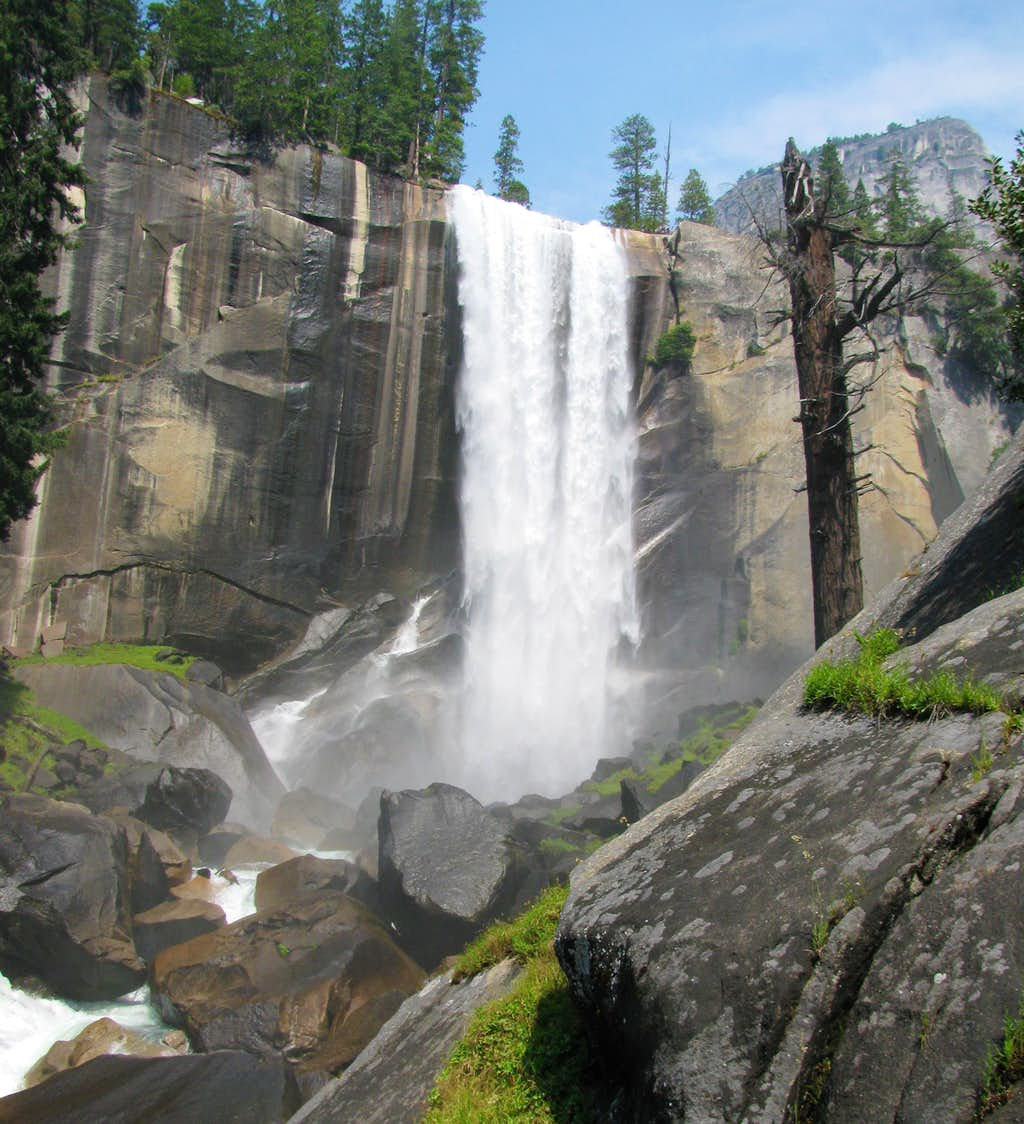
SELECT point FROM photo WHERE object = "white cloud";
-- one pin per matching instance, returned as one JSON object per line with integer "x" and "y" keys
{"x": 965, "y": 80}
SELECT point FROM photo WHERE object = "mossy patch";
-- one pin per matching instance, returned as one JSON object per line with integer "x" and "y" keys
{"x": 523, "y": 937}
{"x": 148, "y": 657}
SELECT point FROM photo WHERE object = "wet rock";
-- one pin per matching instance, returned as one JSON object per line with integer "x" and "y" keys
{"x": 65, "y": 899}
{"x": 207, "y": 673}
{"x": 185, "y": 802}
{"x": 104, "y": 1036}
{"x": 307, "y": 875}
{"x": 446, "y": 868}
{"x": 390, "y": 1081}
{"x": 228, "y": 1085}
{"x": 304, "y": 817}
{"x": 300, "y": 980}
{"x": 174, "y": 922}
{"x": 257, "y": 849}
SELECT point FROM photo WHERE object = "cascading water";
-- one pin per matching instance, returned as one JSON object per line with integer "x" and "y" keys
{"x": 548, "y": 449}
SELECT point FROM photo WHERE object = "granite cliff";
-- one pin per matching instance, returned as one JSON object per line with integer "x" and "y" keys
{"x": 258, "y": 375}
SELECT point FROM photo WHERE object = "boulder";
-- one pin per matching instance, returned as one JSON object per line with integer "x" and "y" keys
{"x": 185, "y": 802}
{"x": 104, "y": 1036}
{"x": 824, "y": 925}
{"x": 177, "y": 867}
{"x": 391, "y": 1079}
{"x": 198, "y": 888}
{"x": 228, "y": 1086}
{"x": 446, "y": 868}
{"x": 306, "y": 876}
{"x": 214, "y": 846}
{"x": 257, "y": 849}
{"x": 304, "y": 817}
{"x": 65, "y": 899}
{"x": 172, "y": 923}
{"x": 156, "y": 717}
{"x": 300, "y": 980}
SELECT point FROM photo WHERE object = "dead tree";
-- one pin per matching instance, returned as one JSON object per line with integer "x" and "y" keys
{"x": 878, "y": 281}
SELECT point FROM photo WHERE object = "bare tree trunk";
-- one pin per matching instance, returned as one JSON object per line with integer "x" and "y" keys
{"x": 824, "y": 407}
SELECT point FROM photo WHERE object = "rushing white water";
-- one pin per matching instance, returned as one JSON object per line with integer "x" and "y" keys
{"x": 548, "y": 449}
{"x": 30, "y": 1024}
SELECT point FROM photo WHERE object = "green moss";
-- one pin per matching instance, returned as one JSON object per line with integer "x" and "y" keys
{"x": 524, "y": 1058}
{"x": 523, "y": 937}
{"x": 610, "y": 785}
{"x": 144, "y": 656}
{"x": 865, "y": 686}
{"x": 554, "y": 845}
{"x": 559, "y": 815}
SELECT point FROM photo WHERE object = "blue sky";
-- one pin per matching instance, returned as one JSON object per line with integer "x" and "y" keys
{"x": 735, "y": 79}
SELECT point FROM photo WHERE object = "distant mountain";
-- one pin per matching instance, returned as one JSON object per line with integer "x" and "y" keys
{"x": 943, "y": 155}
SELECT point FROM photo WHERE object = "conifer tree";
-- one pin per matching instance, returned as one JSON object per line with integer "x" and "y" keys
{"x": 832, "y": 181}
{"x": 638, "y": 197}
{"x": 39, "y": 59}
{"x": 900, "y": 205}
{"x": 507, "y": 165}
{"x": 695, "y": 203}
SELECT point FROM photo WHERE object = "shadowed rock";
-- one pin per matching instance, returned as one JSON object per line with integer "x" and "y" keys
{"x": 446, "y": 868}
{"x": 65, "y": 899}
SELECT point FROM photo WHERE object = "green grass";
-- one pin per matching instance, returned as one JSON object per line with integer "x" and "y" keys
{"x": 865, "y": 686}
{"x": 524, "y": 1058}
{"x": 523, "y": 937}
{"x": 555, "y": 845}
{"x": 135, "y": 655}
{"x": 29, "y": 734}
{"x": 1004, "y": 1065}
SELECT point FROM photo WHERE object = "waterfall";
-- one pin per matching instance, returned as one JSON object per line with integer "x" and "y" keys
{"x": 547, "y": 462}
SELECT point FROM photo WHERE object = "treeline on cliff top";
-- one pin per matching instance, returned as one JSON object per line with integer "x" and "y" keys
{"x": 390, "y": 84}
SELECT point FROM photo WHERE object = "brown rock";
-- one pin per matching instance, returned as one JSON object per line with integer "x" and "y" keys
{"x": 257, "y": 849}
{"x": 104, "y": 1036}
{"x": 200, "y": 887}
{"x": 303, "y": 817}
{"x": 306, "y": 875}
{"x": 172, "y": 923}
{"x": 294, "y": 980}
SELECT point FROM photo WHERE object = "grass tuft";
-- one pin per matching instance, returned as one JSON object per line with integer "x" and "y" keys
{"x": 523, "y": 937}
{"x": 1004, "y": 1065}
{"x": 865, "y": 686}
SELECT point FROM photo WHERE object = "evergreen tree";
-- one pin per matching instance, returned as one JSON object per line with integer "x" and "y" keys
{"x": 638, "y": 197}
{"x": 900, "y": 206}
{"x": 695, "y": 203}
{"x": 863, "y": 211}
{"x": 507, "y": 165}
{"x": 366, "y": 30}
{"x": 1002, "y": 204}
{"x": 110, "y": 32}
{"x": 39, "y": 59}
{"x": 454, "y": 44}
{"x": 832, "y": 181}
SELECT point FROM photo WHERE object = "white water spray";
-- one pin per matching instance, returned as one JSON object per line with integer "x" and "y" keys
{"x": 548, "y": 450}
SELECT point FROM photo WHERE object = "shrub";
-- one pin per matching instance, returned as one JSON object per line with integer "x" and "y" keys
{"x": 676, "y": 346}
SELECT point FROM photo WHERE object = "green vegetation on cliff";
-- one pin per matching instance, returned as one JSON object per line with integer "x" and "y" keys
{"x": 148, "y": 657}
{"x": 866, "y": 686}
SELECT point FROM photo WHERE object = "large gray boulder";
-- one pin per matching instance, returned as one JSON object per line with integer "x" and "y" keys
{"x": 65, "y": 899}
{"x": 825, "y": 924}
{"x": 154, "y": 716}
{"x": 446, "y": 868}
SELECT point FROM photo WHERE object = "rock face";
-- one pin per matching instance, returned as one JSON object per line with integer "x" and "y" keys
{"x": 104, "y": 1036}
{"x": 260, "y": 367}
{"x": 154, "y": 716}
{"x": 823, "y": 926}
{"x": 942, "y": 155}
{"x": 446, "y": 868}
{"x": 313, "y": 980}
{"x": 65, "y": 899}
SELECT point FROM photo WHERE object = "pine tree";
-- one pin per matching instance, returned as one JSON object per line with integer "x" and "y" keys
{"x": 695, "y": 200}
{"x": 1002, "y": 204}
{"x": 832, "y": 182}
{"x": 637, "y": 201}
{"x": 110, "y": 31}
{"x": 39, "y": 59}
{"x": 507, "y": 165}
{"x": 454, "y": 44}
{"x": 900, "y": 206}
